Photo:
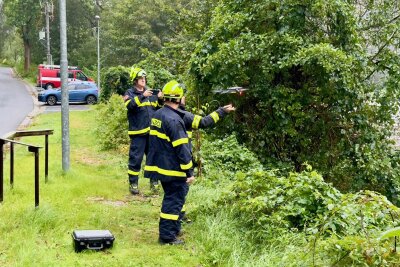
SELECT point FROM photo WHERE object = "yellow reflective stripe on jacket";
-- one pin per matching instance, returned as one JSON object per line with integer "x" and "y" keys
{"x": 190, "y": 134}
{"x": 180, "y": 142}
{"x": 169, "y": 216}
{"x": 215, "y": 116}
{"x": 145, "y": 130}
{"x": 164, "y": 172}
{"x": 139, "y": 104}
{"x": 154, "y": 104}
{"x": 159, "y": 135}
{"x": 137, "y": 101}
{"x": 183, "y": 208}
{"x": 133, "y": 172}
{"x": 196, "y": 122}
{"x": 127, "y": 102}
{"x": 186, "y": 166}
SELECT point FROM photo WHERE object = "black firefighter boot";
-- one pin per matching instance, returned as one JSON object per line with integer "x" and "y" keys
{"x": 171, "y": 242}
{"x": 154, "y": 186}
{"x": 134, "y": 188}
{"x": 184, "y": 219}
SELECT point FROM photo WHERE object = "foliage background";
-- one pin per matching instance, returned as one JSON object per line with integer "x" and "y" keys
{"x": 313, "y": 96}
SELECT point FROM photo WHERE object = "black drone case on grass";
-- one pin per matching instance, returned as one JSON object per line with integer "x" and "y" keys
{"x": 92, "y": 239}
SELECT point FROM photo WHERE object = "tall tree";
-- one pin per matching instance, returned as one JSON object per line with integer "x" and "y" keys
{"x": 25, "y": 15}
{"x": 187, "y": 21}
{"x": 80, "y": 33}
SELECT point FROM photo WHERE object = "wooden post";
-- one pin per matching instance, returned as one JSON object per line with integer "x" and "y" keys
{"x": 2, "y": 142}
{"x": 12, "y": 165}
{"x": 36, "y": 151}
{"x": 46, "y": 158}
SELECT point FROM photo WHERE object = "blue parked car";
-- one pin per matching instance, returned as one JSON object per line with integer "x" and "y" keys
{"x": 78, "y": 92}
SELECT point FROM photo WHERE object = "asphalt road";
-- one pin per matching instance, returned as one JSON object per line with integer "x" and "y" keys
{"x": 18, "y": 101}
{"x": 57, "y": 107}
{"x": 15, "y": 101}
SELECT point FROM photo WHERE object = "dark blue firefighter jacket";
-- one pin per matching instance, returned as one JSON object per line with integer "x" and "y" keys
{"x": 169, "y": 157}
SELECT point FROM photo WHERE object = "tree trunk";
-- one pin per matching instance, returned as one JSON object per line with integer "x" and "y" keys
{"x": 27, "y": 55}
{"x": 27, "y": 47}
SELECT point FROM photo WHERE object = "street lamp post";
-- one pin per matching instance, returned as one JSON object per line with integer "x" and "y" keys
{"x": 98, "y": 51}
{"x": 48, "y": 10}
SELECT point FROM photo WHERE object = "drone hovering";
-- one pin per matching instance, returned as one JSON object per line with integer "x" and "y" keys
{"x": 231, "y": 90}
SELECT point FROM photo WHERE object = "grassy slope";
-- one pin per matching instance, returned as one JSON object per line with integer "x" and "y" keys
{"x": 92, "y": 195}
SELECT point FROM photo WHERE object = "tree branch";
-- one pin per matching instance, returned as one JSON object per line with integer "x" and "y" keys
{"x": 379, "y": 51}
{"x": 380, "y": 25}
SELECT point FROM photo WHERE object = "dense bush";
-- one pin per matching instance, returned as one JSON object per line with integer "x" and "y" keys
{"x": 303, "y": 201}
{"x": 112, "y": 124}
{"x": 338, "y": 228}
{"x": 227, "y": 156}
{"x": 296, "y": 201}
{"x": 270, "y": 205}
{"x": 115, "y": 81}
{"x": 313, "y": 96}
{"x": 349, "y": 233}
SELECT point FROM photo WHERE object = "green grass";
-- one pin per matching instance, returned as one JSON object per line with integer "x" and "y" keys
{"x": 93, "y": 194}
{"x": 223, "y": 240}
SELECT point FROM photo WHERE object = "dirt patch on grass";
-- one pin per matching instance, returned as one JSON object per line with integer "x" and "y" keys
{"x": 142, "y": 197}
{"x": 84, "y": 156}
{"x": 102, "y": 200}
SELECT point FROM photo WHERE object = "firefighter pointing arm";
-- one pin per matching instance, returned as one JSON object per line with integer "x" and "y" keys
{"x": 194, "y": 122}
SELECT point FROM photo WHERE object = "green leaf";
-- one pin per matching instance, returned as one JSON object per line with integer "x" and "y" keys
{"x": 390, "y": 233}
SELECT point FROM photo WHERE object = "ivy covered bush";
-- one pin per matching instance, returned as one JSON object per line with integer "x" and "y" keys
{"x": 323, "y": 84}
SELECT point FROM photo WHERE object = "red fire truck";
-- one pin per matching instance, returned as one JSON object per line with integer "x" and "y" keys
{"x": 49, "y": 76}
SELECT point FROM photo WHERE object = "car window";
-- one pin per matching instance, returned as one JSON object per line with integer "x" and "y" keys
{"x": 81, "y": 76}
{"x": 71, "y": 87}
{"x": 70, "y": 74}
{"x": 82, "y": 86}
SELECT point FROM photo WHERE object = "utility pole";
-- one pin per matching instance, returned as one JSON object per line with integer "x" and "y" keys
{"x": 97, "y": 17}
{"x": 48, "y": 9}
{"x": 97, "y": 4}
{"x": 64, "y": 87}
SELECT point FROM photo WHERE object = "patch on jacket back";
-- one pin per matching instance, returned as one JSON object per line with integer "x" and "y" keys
{"x": 156, "y": 123}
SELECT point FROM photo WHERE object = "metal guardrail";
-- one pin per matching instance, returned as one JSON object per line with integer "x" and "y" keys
{"x": 31, "y": 148}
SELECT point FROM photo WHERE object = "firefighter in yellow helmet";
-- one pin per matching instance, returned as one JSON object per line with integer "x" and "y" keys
{"x": 170, "y": 161}
{"x": 141, "y": 105}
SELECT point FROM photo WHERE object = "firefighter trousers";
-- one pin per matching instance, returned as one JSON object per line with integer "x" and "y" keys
{"x": 138, "y": 148}
{"x": 173, "y": 201}
{"x": 182, "y": 214}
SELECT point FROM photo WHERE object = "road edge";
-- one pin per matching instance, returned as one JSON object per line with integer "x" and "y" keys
{"x": 37, "y": 109}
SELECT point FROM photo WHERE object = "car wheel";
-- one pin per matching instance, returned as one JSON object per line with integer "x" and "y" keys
{"x": 91, "y": 99}
{"x": 49, "y": 86}
{"x": 51, "y": 100}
